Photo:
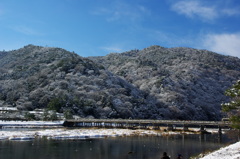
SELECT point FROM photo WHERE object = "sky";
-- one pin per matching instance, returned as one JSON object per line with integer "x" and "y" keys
{"x": 100, "y": 27}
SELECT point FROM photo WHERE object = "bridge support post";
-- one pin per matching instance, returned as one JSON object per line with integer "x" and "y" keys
{"x": 202, "y": 129}
{"x": 170, "y": 128}
{"x": 155, "y": 127}
{"x": 219, "y": 130}
{"x": 185, "y": 127}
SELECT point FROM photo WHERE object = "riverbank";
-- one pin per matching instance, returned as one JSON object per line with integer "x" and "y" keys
{"x": 27, "y": 130}
{"x": 31, "y": 123}
{"x": 83, "y": 133}
{"x": 229, "y": 152}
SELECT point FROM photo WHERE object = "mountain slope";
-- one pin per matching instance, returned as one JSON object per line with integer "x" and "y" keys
{"x": 189, "y": 83}
{"x": 156, "y": 82}
{"x": 40, "y": 77}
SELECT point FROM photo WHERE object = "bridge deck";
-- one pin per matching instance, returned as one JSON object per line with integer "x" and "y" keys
{"x": 152, "y": 122}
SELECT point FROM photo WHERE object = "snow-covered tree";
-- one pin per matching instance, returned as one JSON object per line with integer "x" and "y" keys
{"x": 233, "y": 107}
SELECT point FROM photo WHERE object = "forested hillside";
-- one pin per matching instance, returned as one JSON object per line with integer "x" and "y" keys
{"x": 42, "y": 77}
{"x": 153, "y": 83}
{"x": 189, "y": 83}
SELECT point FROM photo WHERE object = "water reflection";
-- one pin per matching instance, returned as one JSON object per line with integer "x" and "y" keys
{"x": 112, "y": 148}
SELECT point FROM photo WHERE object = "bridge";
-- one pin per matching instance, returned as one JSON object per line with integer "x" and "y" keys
{"x": 169, "y": 125}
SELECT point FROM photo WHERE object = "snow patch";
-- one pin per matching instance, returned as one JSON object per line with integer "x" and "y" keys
{"x": 65, "y": 133}
{"x": 229, "y": 152}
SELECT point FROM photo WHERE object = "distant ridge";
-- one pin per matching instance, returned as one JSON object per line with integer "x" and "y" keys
{"x": 153, "y": 83}
{"x": 188, "y": 83}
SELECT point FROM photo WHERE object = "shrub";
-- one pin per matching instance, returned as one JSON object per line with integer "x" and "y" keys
{"x": 50, "y": 115}
{"x": 29, "y": 116}
{"x": 53, "y": 115}
{"x": 46, "y": 115}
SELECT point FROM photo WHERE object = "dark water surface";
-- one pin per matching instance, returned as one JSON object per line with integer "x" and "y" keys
{"x": 112, "y": 148}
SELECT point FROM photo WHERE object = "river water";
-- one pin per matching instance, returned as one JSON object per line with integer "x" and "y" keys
{"x": 137, "y": 147}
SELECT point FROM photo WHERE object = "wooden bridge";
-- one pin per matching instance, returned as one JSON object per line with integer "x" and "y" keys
{"x": 148, "y": 124}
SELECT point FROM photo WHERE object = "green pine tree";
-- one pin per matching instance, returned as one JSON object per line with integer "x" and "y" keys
{"x": 233, "y": 107}
{"x": 68, "y": 114}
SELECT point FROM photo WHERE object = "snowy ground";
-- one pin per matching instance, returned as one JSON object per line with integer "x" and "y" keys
{"x": 64, "y": 133}
{"x": 57, "y": 132}
{"x": 229, "y": 152}
{"x": 30, "y": 123}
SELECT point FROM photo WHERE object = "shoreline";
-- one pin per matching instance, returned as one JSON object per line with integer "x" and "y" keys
{"x": 77, "y": 133}
{"x": 27, "y": 131}
{"x": 232, "y": 151}
{"x": 229, "y": 152}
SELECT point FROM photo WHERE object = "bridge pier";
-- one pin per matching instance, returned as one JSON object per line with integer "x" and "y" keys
{"x": 156, "y": 127}
{"x": 219, "y": 129}
{"x": 202, "y": 128}
{"x": 170, "y": 127}
{"x": 185, "y": 127}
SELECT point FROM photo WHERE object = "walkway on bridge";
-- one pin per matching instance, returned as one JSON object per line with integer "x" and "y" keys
{"x": 147, "y": 124}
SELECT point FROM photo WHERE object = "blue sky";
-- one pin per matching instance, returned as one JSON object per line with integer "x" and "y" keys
{"x": 99, "y": 27}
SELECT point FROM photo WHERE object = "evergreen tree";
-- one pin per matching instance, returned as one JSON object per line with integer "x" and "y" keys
{"x": 55, "y": 104}
{"x": 233, "y": 107}
{"x": 68, "y": 114}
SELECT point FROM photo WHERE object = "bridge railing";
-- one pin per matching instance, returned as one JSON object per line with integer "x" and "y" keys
{"x": 141, "y": 121}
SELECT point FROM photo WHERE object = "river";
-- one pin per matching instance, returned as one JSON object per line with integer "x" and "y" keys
{"x": 134, "y": 147}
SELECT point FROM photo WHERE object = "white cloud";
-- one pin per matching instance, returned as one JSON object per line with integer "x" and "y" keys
{"x": 122, "y": 11}
{"x": 228, "y": 44}
{"x": 194, "y": 9}
{"x": 205, "y": 10}
{"x": 231, "y": 11}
